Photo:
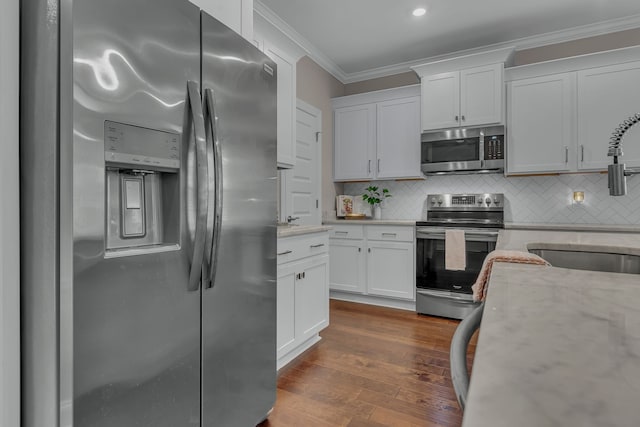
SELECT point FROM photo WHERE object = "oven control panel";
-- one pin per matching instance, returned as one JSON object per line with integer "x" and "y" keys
{"x": 492, "y": 201}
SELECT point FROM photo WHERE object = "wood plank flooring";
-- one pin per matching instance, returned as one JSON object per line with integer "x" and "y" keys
{"x": 374, "y": 367}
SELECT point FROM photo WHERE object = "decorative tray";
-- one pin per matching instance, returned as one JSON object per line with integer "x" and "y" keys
{"x": 355, "y": 216}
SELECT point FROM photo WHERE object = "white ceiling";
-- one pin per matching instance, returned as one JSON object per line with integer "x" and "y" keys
{"x": 359, "y": 36}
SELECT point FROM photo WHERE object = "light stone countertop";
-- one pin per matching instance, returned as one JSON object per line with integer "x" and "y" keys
{"x": 558, "y": 347}
{"x": 614, "y": 228}
{"x": 522, "y": 240}
{"x": 298, "y": 230}
{"x": 370, "y": 221}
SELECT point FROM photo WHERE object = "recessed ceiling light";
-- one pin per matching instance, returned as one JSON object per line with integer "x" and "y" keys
{"x": 419, "y": 11}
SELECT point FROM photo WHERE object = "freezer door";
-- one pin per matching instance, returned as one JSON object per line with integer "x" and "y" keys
{"x": 238, "y": 310}
{"x": 135, "y": 331}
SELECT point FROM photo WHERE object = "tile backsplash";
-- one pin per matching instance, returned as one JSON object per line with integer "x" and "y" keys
{"x": 539, "y": 199}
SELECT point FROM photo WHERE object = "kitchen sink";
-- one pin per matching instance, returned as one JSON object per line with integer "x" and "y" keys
{"x": 592, "y": 261}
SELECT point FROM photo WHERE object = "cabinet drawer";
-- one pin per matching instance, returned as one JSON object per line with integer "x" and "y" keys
{"x": 394, "y": 234}
{"x": 346, "y": 232}
{"x": 298, "y": 247}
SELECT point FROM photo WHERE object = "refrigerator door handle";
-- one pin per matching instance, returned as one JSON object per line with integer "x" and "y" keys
{"x": 196, "y": 116}
{"x": 213, "y": 237}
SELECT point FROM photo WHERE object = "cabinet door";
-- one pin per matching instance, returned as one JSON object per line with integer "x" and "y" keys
{"x": 391, "y": 269}
{"x": 606, "y": 97}
{"x": 481, "y": 95}
{"x": 541, "y": 122}
{"x": 347, "y": 265}
{"x": 354, "y": 142}
{"x": 286, "y": 104}
{"x": 285, "y": 313}
{"x": 440, "y": 101}
{"x": 398, "y": 138}
{"x": 312, "y": 298}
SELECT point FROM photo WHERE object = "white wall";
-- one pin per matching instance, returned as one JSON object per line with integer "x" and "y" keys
{"x": 9, "y": 237}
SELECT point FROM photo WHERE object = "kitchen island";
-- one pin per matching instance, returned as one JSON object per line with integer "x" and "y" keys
{"x": 558, "y": 347}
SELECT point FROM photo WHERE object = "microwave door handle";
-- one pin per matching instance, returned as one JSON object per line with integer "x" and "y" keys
{"x": 195, "y": 116}
{"x": 214, "y": 236}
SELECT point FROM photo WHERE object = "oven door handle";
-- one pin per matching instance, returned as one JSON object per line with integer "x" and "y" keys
{"x": 469, "y": 236}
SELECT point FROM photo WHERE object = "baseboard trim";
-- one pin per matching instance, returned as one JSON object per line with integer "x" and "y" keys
{"x": 297, "y": 351}
{"x": 373, "y": 300}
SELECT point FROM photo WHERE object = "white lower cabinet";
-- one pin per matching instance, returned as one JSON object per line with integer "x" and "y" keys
{"x": 391, "y": 269}
{"x": 373, "y": 260}
{"x": 348, "y": 265}
{"x": 302, "y": 295}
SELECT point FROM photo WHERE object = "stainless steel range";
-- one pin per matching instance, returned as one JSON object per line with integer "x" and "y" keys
{"x": 447, "y": 293}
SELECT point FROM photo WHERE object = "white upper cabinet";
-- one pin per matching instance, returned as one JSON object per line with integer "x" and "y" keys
{"x": 562, "y": 113}
{"x": 286, "y": 73}
{"x": 285, "y": 53}
{"x": 540, "y": 124}
{"x": 235, "y": 14}
{"x": 481, "y": 100}
{"x": 606, "y": 97}
{"x": 441, "y": 101}
{"x": 464, "y": 91}
{"x": 377, "y": 135}
{"x": 470, "y": 97}
{"x": 354, "y": 142}
{"x": 398, "y": 138}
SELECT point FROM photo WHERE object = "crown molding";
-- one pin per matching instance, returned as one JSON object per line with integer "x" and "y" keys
{"x": 308, "y": 47}
{"x": 570, "y": 34}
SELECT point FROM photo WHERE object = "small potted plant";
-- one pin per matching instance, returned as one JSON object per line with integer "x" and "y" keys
{"x": 374, "y": 197}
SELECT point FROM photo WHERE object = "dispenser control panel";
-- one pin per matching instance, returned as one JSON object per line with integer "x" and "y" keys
{"x": 138, "y": 147}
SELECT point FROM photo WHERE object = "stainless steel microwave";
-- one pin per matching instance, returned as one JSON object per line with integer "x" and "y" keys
{"x": 463, "y": 150}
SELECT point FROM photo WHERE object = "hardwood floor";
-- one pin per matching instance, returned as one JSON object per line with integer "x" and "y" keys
{"x": 374, "y": 367}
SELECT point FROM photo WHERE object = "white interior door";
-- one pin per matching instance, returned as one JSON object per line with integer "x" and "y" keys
{"x": 301, "y": 185}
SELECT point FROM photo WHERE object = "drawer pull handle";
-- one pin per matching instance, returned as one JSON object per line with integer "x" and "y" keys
{"x": 342, "y": 232}
{"x": 389, "y": 234}
{"x": 318, "y": 245}
{"x": 285, "y": 252}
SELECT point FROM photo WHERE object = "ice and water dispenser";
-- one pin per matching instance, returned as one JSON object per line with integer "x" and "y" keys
{"x": 143, "y": 188}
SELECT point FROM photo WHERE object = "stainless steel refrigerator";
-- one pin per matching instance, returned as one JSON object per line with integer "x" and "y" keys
{"x": 148, "y": 239}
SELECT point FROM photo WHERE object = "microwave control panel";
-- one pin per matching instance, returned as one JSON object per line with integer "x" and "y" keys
{"x": 494, "y": 147}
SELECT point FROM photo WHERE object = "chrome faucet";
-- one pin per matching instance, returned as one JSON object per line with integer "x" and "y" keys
{"x": 617, "y": 172}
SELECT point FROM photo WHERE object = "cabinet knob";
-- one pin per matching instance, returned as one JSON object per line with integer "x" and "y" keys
{"x": 457, "y": 119}
{"x": 369, "y": 250}
{"x": 359, "y": 249}
{"x": 463, "y": 119}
